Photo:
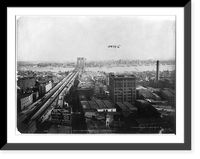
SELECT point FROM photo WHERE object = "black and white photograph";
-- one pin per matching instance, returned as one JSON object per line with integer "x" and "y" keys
{"x": 99, "y": 78}
{"x": 96, "y": 74}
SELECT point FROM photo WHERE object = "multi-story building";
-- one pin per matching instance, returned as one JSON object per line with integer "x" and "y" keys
{"x": 35, "y": 96}
{"x": 48, "y": 86}
{"x": 42, "y": 90}
{"x": 122, "y": 88}
{"x": 107, "y": 79}
{"x": 26, "y": 83}
{"x": 23, "y": 101}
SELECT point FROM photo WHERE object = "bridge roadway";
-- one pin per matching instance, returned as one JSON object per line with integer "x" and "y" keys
{"x": 27, "y": 122}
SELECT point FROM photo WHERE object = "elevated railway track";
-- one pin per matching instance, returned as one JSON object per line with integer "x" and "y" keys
{"x": 28, "y": 121}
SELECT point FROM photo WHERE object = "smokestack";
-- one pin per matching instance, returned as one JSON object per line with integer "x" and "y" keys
{"x": 157, "y": 71}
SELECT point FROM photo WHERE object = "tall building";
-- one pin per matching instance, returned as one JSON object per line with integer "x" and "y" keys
{"x": 107, "y": 79}
{"x": 122, "y": 88}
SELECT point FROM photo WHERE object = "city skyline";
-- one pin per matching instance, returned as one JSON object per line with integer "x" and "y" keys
{"x": 64, "y": 38}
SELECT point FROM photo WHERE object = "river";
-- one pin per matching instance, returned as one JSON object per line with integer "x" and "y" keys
{"x": 104, "y": 69}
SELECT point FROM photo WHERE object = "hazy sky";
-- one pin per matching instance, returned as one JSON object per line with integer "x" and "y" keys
{"x": 56, "y": 38}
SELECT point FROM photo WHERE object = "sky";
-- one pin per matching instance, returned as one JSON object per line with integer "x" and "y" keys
{"x": 64, "y": 38}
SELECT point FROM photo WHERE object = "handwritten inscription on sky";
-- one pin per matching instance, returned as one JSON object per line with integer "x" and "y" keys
{"x": 114, "y": 46}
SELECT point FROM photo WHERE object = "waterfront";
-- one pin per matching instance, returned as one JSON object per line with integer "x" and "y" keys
{"x": 104, "y": 69}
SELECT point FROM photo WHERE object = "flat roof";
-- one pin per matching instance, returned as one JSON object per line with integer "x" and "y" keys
{"x": 101, "y": 104}
{"x": 93, "y": 105}
{"x": 141, "y": 101}
{"x": 85, "y": 105}
{"x": 108, "y": 104}
{"x": 172, "y": 91}
{"x": 129, "y": 105}
{"x": 121, "y": 105}
{"x": 146, "y": 93}
{"x": 163, "y": 106}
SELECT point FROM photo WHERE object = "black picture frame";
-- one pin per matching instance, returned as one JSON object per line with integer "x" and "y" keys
{"x": 128, "y": 146}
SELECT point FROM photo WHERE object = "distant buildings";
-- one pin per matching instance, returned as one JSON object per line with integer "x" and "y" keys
{"x": 122, "y": 88}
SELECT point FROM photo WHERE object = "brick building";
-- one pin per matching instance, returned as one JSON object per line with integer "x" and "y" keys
{"x": 122, "y": 88}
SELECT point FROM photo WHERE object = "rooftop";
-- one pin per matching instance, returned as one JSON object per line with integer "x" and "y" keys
{"x": 160, "y": 102}
{"x": 172, "y": 91}
{"x": 140, "y": 87}
{"x": 108, "y": 104}
{"x": 85, "y": 105}
{"x": 142, "y": 101}
{"x": 129, "y": 105}
{"x": 167, "y": 92}
{"x": 167, "y": 107}
{"x": 121, "y": 105}
{"x": 101, "y": 104}
{"x": 146, "y": 94}
{"x": 93, "y": 105}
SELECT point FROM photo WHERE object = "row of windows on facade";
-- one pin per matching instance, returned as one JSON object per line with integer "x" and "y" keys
{"x": 125, "y": 97}
{"x": 121, "y": 85}
{"x": 128, "y": 97}
{"x": 128, "y": 89}
{"x": 26, "y": 82}
{"x": 125, "y": 100}
{"x": 26, "y": 101}
{"x": 127, "y": 92}
{"x": 122, "y": 80}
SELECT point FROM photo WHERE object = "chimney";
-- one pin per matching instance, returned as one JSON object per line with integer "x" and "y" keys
{"x": 157, "y": 71}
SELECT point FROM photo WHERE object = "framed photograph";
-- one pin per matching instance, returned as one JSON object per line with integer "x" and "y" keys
{"x": 98, "y": 78}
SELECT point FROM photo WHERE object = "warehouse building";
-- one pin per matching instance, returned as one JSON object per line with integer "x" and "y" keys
{"x": 93, "y": 105}
{"x": 133, "y": 109}
{"x": 122, "y": 88}
{"x": 122, "y": 108}
{"x": 87, "y": 110}
{"x": 109, "y": 105}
